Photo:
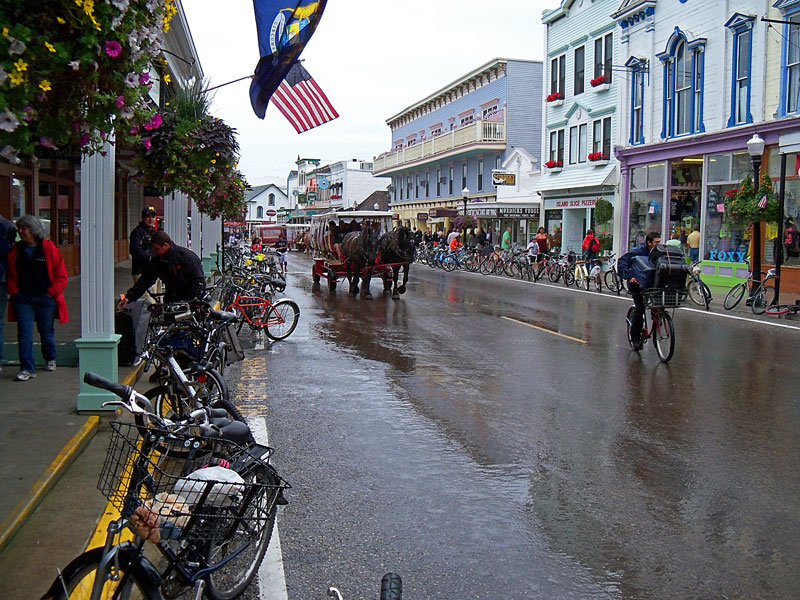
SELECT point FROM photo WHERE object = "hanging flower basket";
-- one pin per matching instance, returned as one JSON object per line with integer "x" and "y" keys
{"x": 74, "y": 71}
{"x": 745, "y": 204}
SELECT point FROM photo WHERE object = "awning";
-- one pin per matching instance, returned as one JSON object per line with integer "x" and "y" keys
{"x": 575, "y": 177}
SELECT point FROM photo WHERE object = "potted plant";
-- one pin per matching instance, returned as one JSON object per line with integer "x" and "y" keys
{"x": 745, "y": 205}
{"x": 598, "y": 158}
{"x": 554, "y": 165}
{"x": 603, "y": 211}
{"x": 600, "y": 83}
{"x": 555, "y": 99}
{"x": 77, "y": 71}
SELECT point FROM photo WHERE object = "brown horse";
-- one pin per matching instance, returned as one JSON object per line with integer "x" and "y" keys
{"x": 360, "y": 249}
{"x": 397, "y": 247}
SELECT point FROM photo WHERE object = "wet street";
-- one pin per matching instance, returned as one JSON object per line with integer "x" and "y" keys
{"x": 490, "y": 438}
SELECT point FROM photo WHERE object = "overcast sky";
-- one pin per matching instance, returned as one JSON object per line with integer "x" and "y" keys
{"x": 372, "y": 58}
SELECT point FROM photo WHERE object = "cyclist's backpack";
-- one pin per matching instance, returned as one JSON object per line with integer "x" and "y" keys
{"x": 644, "y": 271}
{"x": 594, "y": 245}
{"x": 671, "y": 268}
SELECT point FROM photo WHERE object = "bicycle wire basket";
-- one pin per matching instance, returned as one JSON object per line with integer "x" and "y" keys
{"x": 159, "y": 475}
{"x": 664, "y": 297}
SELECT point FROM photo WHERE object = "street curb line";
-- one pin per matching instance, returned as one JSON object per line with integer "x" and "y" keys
{"x": 45, "y": 483}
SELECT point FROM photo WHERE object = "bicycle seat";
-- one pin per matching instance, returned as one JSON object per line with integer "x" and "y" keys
{"x": 223, "y": 315}
{"x": 233, "y": 431}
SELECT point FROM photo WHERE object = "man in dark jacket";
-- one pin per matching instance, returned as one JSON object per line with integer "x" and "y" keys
{"x": 8, "y": 233}
{"x": 178, "y": 268}
{"x": 625, "y": 270}
{"x": 140, "y": 237}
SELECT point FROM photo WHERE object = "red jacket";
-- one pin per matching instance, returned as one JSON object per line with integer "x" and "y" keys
{"x": 590, "y": 239}
{"x": 55, "y": 270}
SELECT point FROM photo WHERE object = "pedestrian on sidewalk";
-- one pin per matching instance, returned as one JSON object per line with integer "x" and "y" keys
{"x": 37, "y": 278}
{"x": 139, "y": 244}
{"x": 177, "y": 267}
{"x": 281, "y": 248}
{"x": 8, "y": 233}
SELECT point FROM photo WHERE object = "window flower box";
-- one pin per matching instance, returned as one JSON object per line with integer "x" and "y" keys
{"x": 555, "y": 99}
{"x": 600, "y": 83}
{"x": 598, "y": 158}
{"x": 554, "y": 166}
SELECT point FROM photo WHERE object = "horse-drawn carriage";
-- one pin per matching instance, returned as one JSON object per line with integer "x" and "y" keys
{"x": 360, "y": 244}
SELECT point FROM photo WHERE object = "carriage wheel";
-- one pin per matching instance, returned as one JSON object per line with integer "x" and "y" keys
{"x": 331, "y": 279}
{"x": 314, "y": 274}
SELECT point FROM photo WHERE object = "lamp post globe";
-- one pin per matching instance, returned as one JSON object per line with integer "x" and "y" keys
{"x": 755, "y": 148}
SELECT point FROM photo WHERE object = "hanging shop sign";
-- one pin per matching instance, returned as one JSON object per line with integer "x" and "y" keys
{"x": 422, "y": 216}
{"x": 323, "y": 184}
{"x": 521, "y": 212}
{"x": 504, "y": 178}
{"x": 442, "y": 212}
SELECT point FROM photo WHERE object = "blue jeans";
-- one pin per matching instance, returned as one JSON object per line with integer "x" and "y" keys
{"x": 694, "y": 254}
{"x": 42, "y": 309}
{"x": 3, "y": 298}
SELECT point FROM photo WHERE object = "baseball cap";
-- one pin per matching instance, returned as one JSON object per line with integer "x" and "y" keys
{"x": 149, "y": 210}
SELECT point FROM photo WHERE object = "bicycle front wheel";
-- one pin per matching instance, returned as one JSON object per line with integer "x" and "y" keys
{"x": 282, "y": 319}
{"x": 734, "y": 296}
{"x": 78, "y": 578}
{"x": 628, "y": 321}
{"x": 696, "y": 293}
{"x": 763, "y": 298}
{"x": 664, "y": 335}
{"x": 554, "y": 274}
{"x": 613, "y": 281}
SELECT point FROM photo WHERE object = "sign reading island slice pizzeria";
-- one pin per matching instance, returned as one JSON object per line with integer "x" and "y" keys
{"x": 504, "y": 178}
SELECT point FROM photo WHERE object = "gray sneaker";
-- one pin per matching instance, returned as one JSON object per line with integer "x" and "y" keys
{"x": 24, "y": 376}
{"x": 50, "y": 365}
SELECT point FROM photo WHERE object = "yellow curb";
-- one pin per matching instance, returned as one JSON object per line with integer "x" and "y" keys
{"x": 45, "y": 483}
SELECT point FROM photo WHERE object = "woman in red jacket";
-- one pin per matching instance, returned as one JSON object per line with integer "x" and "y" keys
{"x": 36, "y": 281}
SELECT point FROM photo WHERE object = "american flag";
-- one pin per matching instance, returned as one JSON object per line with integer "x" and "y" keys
{"x": 302, "y": 101}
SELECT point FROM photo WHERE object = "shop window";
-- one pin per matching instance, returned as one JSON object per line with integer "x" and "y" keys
{"x": 557, "y": 74}
{"x": 579, "y": 72}
{"x": 683, "y": 64}
{"x": 646, "y": 206}
{"x": 791, "y": 215}
{"x": 741, "y": 27}
{"x": 721, "y": 240}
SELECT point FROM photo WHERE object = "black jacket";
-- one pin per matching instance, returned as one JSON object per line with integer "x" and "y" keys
{"x": 181, "y": 272}
{"x": 625, "y": 262}
{"x": 8, "y": 233}
{"x": 140, "y": 247}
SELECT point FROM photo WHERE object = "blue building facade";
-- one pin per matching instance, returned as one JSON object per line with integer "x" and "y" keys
{"x": 452, "y": 140}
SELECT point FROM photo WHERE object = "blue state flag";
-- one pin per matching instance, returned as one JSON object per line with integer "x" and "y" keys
{"x": 284, "y": 28}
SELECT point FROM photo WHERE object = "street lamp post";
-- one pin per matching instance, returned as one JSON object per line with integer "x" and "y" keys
{"x": 465, "y": 196}
{"x": 755, "y": 148}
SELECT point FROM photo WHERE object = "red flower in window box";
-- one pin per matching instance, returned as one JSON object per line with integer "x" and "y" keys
{"x": 552, "y": 164}
{"x": 554, "y": 96}
{"x": 595, "y": 156}
{"x": 599, "y": 80}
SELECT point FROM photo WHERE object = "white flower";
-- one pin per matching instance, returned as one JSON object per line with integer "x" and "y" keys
{"x": 10, "y": 154}
{"x": 8, "y": 121}
{"x": 75, "y": 64}
{"x": 127, "y": 113}
{"x": 151, "y": 5}
{"x": 15, "y": 46}
{"x": 3, "y": 75}
{"x": 132, "y": 79}
{"x": 115, "y": 22}
{"x": 122, "y": 5}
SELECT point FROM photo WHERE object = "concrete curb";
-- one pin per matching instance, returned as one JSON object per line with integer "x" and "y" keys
{"x": 12, "y": 524}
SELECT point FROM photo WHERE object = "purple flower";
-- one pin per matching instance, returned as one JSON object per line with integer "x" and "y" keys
{"x": 46, "y": 142}
{"x": 84, "y": 139}
{"x": 154, "y": 123}
{"x": 146, "y": 143}
{"x": 120, "y": 101}
{"x": 113, "y": 49}
{"x": 144, "y": 78}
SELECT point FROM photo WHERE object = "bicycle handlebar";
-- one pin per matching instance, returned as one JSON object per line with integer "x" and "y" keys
{"x": 98, "y": 381}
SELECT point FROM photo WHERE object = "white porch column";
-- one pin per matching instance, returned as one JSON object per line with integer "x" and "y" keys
{"x": 175, "y": 212}
{"x": 97, "y": 346}
{"x": 197, "y": 228}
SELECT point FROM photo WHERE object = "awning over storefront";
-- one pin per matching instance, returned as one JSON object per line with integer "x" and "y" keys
{"x": 576, "y": 177}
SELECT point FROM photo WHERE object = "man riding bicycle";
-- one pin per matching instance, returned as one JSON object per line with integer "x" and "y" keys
{"x": 625, "y": 270}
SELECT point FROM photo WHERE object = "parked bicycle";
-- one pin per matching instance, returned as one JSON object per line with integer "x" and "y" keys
{"x": 391, "y": 588}
{"x": 783, "y": 310}
{"x": 699, "y": 292}
{"x": 761, "y": 294}
{"x": 659, "y": 302}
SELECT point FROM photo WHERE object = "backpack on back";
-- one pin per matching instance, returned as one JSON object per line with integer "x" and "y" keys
{"x": 671, "y": 268}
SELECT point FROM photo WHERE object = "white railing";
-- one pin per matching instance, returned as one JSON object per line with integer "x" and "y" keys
{"x": 475, "y": 133}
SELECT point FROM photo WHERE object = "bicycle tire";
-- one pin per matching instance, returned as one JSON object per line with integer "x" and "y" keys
{"x": 696, "y": 293}
{"x": 613, "y": 281}
{"x": 391, "y": 587}
{"x": 778, "y": 310}
{"x": 555, "y": 273}
{"x": 598, "y": 283}
{"x": 763, "y": 298}
{"x": 449, "y": 264}
{"x": 706, "y": 295}
{"x": 511, "y": 269}
{"x": 78, "y": 577}
{"x": 628, "y": 321}
{"x": 236, "y": 574}
{"x": 487, "y": 266}
{"x": 569, "y": 277}
{"x": 664, "y": 336}
{"x": 282, "y": 319}
{"x": 734, "y": 295}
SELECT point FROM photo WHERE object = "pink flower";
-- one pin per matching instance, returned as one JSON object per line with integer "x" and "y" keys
{"x": 154, "y": 123}
{"x": 134, "y": 130}
{"x": 144, "y": 78}
{"x": 113, "y": 49}
{"x": 46, "y": 142}
{"x": 120, "y": 101}
{"x": 146, "y": 143}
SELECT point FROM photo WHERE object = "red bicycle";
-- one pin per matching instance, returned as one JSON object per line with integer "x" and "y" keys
{"x": 661, "y": 329}
{"x": 276, "y": 320}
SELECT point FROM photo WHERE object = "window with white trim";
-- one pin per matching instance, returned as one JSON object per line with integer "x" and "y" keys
{"x": 489, "y": 112}
{"x": 579, "y": 71}
{"x": 467, "y": 119}
{"x": 260, "y": 212}
{"x": 480, "y": 175}
{"x": 601, "y": 136}
{"x": 603, "y": 55}
{"x": 792, "y": 67}
{"x": 416, "y": 185}
{"x": 450, "y": 181}
{"x": 582, "y": 154}
{"x": 557, "y": 146}
{"x": 463, "y": 175}
{"x": 427, "y": 183}
{"x": 272, "y": 199}
{"x": 637, "y": 106}
{"x": 438, "y": 182}
{"x": 573, "y": 145}
{"x": 741, "y": 76}
{"x": 557, "y": 74}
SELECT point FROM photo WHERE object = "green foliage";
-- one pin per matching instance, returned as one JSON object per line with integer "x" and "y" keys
{"x": 741, "y": 204}
{"x": 71, "y": 71}
{"x": 603, "y": 211}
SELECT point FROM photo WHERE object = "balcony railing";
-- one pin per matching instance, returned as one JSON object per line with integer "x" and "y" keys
{"x": 475, "y": 133}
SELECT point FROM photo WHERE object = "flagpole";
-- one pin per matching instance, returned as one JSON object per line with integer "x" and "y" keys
{"x": 224, "y": 84}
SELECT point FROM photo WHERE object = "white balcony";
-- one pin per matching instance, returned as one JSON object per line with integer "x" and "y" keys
{"x": 481, "y": 134}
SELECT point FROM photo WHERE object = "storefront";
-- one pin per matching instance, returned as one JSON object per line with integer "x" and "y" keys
{"x": 567, "y": 219}
{"x": 523, "y": 219}
{"x": 674, "y": 187}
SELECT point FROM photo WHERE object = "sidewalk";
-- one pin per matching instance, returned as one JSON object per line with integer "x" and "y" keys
{"x": 41, "y": 432}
